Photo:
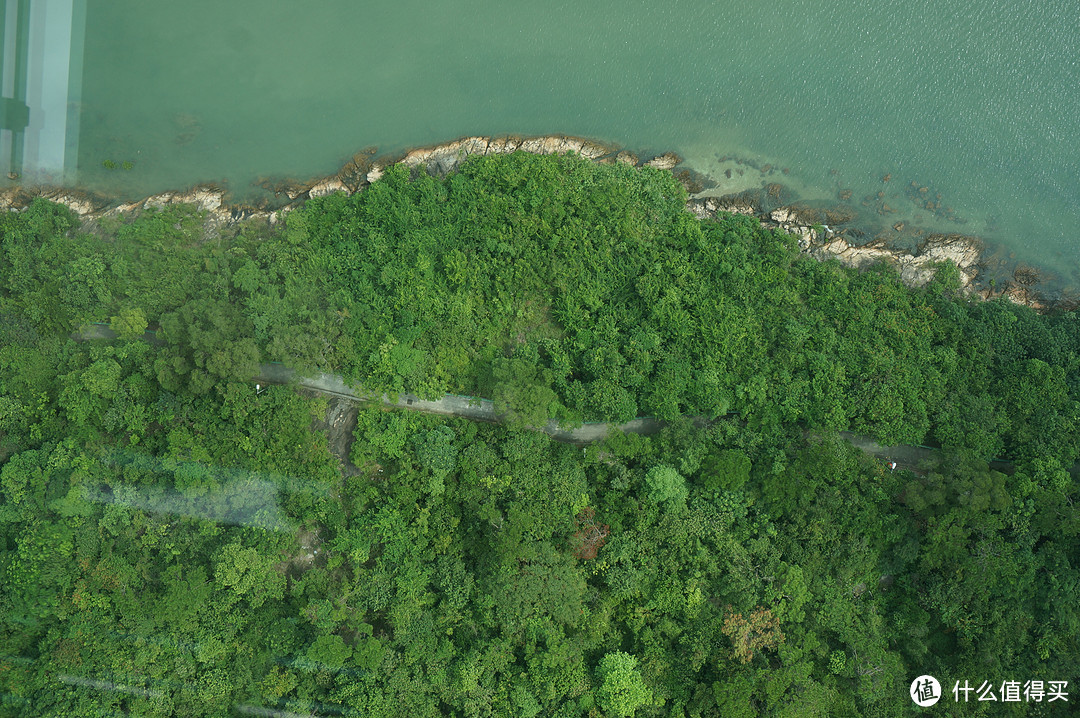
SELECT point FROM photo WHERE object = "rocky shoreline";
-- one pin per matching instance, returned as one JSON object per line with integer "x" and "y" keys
{"x": 824, "y": 232}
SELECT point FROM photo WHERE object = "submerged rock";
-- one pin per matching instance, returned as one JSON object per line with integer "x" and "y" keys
{"x": 693, "y": 181}
{"x": 354, "y": 172}
{"x": 291, "y": 188}
{"x": 807, "y": 214}
{"x": 840, "y": 214}
{"x": 1026, "y": 276}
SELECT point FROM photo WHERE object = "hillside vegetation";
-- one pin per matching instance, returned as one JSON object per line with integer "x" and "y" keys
{"x": 172, "y": 543}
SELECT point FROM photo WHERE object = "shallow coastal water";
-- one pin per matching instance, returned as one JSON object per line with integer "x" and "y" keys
{"x": 973, "y": 100}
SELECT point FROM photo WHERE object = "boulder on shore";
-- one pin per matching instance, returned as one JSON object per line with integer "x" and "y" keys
{"x": 666, "y": 161}
{"x": 327, "y": 186}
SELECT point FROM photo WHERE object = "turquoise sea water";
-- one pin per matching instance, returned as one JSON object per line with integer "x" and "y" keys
{"x": 976, "y": 100}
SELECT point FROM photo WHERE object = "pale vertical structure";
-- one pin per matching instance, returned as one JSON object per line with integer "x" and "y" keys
{"x": 41, "y": 67}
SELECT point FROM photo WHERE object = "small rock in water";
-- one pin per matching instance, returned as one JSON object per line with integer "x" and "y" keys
{"x": 899, "y": 226}
{"x": 845, "y": 194}
{"x": 840, "y": 214}
{"x": 886, "y": 178}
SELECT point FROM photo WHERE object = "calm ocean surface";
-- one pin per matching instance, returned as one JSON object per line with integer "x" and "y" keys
{"x": 976, "y": 100}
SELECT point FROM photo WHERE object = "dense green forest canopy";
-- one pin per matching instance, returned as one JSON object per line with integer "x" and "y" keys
{"x": 561, "y": 288}
{"x": 172, "y": 543}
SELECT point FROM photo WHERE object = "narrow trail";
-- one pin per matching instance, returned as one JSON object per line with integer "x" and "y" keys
{"x": 912, "y": 458}
{"x": 906, "y": 457}
{"x": 450, "y": 405}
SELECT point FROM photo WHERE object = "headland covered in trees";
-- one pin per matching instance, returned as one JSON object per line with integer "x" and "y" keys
{"x": 174, "y": 543}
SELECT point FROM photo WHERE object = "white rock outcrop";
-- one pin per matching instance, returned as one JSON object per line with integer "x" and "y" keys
{"x": 916, "y": 269}
{"x": 206, "y": 197}
{"x": 327, "y": 186}
{"x": 666, "y": 161}
{"x": 707, "y": 207}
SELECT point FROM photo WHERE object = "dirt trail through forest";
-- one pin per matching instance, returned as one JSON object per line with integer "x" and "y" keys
{"x": 339, "y": 426}
{"x": 912, "y": 458}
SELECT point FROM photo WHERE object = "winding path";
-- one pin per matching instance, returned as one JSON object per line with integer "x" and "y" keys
{"x": 450, "y": 405}
{"x": 907, "y": 457}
